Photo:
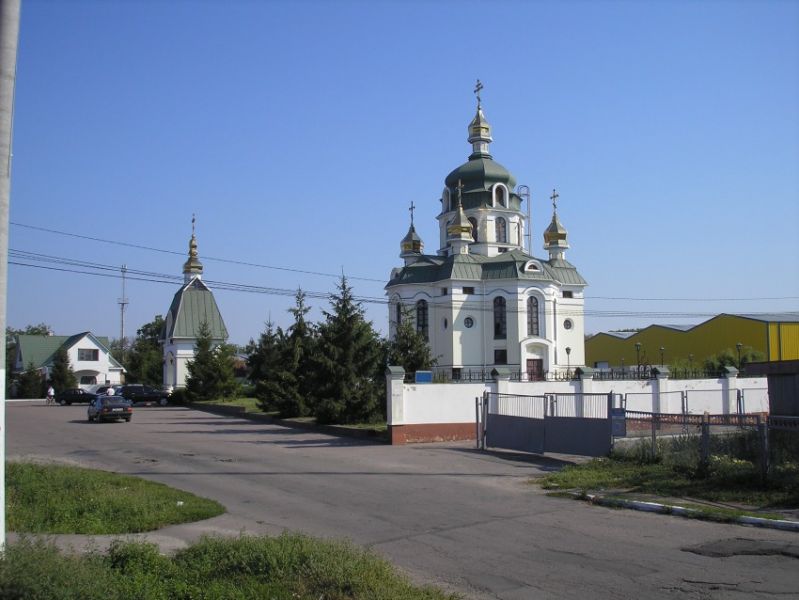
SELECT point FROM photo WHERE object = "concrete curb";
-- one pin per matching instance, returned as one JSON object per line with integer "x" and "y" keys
{"x": 681, "y": 511}
{"x": 238, "y": 411}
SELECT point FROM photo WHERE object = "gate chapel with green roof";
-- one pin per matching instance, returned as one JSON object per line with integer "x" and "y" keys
{"x": 192, "y": 305}
{"x": 481, "y": 300}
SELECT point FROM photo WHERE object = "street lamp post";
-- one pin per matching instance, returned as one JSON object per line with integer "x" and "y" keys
{"x": 568, "y": 361}
{"x": 622, "y": 367}
{"x": 738, "y": 347}
{"x": 662, "y": 350}
{"x": 638, "y": 356}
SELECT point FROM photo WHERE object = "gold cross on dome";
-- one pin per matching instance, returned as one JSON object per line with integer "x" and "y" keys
{"x": 193, "y": 219}
{"x": 460, "y": 190}
{"x": 411, "y": 209}
{"x": 477, "y": 89}
{"x": 554, "y": 197}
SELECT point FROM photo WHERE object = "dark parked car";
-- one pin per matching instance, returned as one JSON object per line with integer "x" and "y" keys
{"x": 110, "y": 408}
{"x": 67, "y": 397}
{"x": 143, "y": 393}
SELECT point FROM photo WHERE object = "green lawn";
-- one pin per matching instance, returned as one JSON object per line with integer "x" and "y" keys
{"x": 728, "y": 480}
{"x": 61, "y": 499}
{"x": 288, "y": 567}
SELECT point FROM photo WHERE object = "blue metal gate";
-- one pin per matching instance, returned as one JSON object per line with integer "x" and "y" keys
{"x": 563, "y": 423}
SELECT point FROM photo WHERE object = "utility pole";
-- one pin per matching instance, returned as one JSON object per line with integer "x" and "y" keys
{"x": 123, "y": 302}
{"x": 9, "y": 36}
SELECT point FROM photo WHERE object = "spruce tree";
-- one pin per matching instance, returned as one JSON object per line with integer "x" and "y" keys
{"x": 265, "y": 362}
{"x": 348, "y": 364}
{"x": 61, "y": 375}
{"x": 296, "y": 396}
{"x": 211, "y": 370}
{"x": 31, "y": 383}
{"x": 409, "y": 348}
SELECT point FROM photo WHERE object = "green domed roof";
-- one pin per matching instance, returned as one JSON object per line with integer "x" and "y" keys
{"x": 480, "y": 173}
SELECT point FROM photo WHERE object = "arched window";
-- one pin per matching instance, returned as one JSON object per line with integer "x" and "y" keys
{"x": 500, "y": 318}
{"x": 398, "y": 309}
{"x": 421, "y": 318}
{"x": 502, "y": 231}
{"x": 532, "y": 316}
{"x": 500, "y": 195}
{"x": 473, "y": 221}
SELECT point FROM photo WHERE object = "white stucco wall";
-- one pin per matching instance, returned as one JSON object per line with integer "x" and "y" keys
{"x": 454, "y": 402}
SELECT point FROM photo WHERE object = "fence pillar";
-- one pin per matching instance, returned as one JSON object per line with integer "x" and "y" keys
{"x": 762, "y": 431}
{"x": 729, "y": 387}
{"x": 586, "y": 379}
{"x": 395, "y": 401}
{"x": 660, "y": 402}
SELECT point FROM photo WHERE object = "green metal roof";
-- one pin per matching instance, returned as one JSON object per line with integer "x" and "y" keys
{"x": 193, "y": 305}
{"x": 39, "y": 349}
{"x": 476, "y": 267}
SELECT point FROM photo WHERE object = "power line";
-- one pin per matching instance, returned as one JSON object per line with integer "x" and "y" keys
{"x": 370, "y": 279}
{"x": 110, "y": 271}
{"x": 206, "y": 258}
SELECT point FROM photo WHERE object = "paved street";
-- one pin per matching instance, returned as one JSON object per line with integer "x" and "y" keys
{"x": 445, "y": 513}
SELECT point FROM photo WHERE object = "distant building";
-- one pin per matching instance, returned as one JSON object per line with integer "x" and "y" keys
{"x": 89, "y": 357}
{"x": 192, "y": 305}
{"x": 481, "y": 300}
{"x": 775, "y": 335}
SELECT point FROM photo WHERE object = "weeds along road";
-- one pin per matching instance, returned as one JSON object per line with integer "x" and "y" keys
{"x": 445, "y": 513}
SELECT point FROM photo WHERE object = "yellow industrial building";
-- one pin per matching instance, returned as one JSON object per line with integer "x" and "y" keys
{"x": 775, "y": 335}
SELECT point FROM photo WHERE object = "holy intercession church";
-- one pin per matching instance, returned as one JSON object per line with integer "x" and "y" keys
{"x": 481, "y": 300}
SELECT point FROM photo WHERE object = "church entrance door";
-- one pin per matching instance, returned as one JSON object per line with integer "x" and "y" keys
{"x": 535, "y": 369}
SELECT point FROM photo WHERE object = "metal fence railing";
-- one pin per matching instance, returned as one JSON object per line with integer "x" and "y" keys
{"x": 694, "y": 441}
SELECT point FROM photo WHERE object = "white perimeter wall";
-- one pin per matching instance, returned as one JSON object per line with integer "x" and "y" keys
{"x": 411, "y": 404}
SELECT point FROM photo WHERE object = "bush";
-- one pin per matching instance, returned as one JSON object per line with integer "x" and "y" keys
{"x": 179, "y": 397}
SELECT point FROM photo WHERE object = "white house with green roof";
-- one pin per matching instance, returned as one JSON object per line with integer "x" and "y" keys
{"x": 89, "y": 357}
{"x": 192, "y": 305}
{"x": 482, "y": 300}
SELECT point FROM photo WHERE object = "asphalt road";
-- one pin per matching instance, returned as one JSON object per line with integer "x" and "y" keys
{"x": 445, "y": 513}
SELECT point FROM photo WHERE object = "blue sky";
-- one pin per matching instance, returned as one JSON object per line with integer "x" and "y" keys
{"x": 299, "y": 133}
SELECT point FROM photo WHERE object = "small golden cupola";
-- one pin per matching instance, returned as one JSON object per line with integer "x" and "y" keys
{"x": 192, "y": 267}
{"x": 411, "y": 246}
{"x": 555, "y": 236}
{"x": 479, "y": 129}
{"x": 459, "y": 232}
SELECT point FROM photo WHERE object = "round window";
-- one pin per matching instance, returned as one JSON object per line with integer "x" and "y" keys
{"x": 469, "y": 322}
{"x": 567, "y": 324}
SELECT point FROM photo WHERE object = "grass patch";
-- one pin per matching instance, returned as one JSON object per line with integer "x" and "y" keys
{"x": 62, "y": 499}
{"x": 280, "y": 568}
{"x": 728, "y": 480}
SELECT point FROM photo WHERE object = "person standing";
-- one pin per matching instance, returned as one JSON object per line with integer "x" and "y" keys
{"x": 50, "y": 395}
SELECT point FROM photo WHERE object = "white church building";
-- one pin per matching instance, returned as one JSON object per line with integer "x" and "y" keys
{"x": 192, "y": 305}
{"x": 481, "y": 300}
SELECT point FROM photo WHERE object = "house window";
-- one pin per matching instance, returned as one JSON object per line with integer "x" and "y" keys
{"x": 473, "y": 221}
{"x": 502, "y": 250}
{"x": 468, "y": 290}
{"x": 421, "y": 318}
{"x": 532, "y": 316}
{"x": 502, "y": 231}
{"x": 500, "y": 356}
{"x": 568, "y": 294}
{"x": 500, "y": 319}
{"x": 88, "y": 354}
{"x": 88, "y": 380}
